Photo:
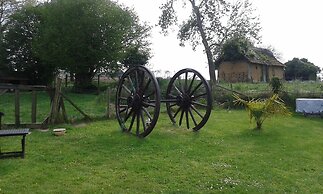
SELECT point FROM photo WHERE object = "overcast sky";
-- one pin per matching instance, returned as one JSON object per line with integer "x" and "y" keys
{"x": 293, "y": 27}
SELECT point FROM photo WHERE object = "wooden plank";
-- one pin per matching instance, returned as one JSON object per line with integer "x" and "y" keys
{"x": 17, "y": 107}
{"x": 25, "y": 125}
{"x": 33, "y": 107}
{"x": 22, "y": 87}
{"x": 3, "y": 91}
{"x": 76, "y": 107}
{"x": 62, "y": 106}
{"x": 55, "y": 103}
{"x": 108, "y": 103}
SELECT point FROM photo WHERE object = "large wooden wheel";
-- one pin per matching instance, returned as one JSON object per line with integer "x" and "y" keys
{"x": 138, "y": 101}
{"x": 188, "y": 97}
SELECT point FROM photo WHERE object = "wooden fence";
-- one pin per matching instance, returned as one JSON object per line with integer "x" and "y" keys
{"x": 17, "y": 89}
{"x": 57, "y": 112}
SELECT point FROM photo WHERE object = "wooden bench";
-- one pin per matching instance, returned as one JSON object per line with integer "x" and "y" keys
{"x": 14, "y": 132}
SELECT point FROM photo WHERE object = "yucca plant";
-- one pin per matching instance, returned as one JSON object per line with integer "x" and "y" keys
{"x": 260, "y": 109}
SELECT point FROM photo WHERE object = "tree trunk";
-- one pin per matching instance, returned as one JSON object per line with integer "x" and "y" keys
{"x": 205, "y": 44}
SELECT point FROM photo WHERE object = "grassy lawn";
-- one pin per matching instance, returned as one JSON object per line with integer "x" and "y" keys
{"x": 225, "y": 156}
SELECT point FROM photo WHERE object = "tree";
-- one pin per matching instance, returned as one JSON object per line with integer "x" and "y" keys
{"x": 135, "y": 56}
{"x": 22, "y": 30}
{"x": 211, "y": 22}
{"x": 236, "y": 48}
{"x": 7, "y": 8}
{"x": 301, "y": 69}
{"x": 83, "y": 37}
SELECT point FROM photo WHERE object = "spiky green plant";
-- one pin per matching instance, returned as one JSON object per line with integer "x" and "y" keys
{"x": 260, "y": 109}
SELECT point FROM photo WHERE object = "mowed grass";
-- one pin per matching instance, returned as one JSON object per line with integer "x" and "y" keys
{"x": 227, "y": 156}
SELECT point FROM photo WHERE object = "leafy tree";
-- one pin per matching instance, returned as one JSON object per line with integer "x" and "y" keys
{"x": 235, "y": 48}
{"x": 85, "y": 36}
{"x": 7, "y": 7}
{"x": 211, "y": 22}
{"x": 301, "y": 69}
{"x": 135, "y": 56}
{"x": 22, "y": 30}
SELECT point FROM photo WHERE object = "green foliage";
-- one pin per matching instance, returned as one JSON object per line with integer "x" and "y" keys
{"x": 81, "y": 37}
{"x": 260, "y": 110}
{"x": 301, "y": 69}
{"x": 135, "y": 56}
{"x": 22, "y": 30}
{"x": 276, "y": 84}
{"x": 236, "y": 48}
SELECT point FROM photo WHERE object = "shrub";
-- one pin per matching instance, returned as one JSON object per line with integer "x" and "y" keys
{"x": 275, "y": 84}
{"x": 259, "y": 110}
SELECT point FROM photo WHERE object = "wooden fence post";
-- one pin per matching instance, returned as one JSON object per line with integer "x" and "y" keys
{"x": 108, "y": 102}
{"x": 98, "y": 83}
{"x": 33, "y": 107}
{"x": 17, "y": 107}
{"x": 55, "y": 104}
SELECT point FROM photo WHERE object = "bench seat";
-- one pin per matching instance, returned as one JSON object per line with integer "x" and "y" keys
{"x": 14, "y": 132}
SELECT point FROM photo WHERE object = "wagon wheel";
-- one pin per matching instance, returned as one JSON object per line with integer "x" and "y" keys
{"x": 137, "y": 101}
{"x": 188, "y": 96}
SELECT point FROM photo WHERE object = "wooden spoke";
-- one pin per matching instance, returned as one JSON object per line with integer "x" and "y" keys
{"x": 123, "y": 98}
{"x": 138, "y": 125}
{"x": 179, "y": 92}
{"x": 128, "y": 115}
{"x": 199, "y": 104}
{"x": 149, "y": 95}
{"x": 173, "y": 105}
{"x": 187, "y": 121}
{"x": 181, "y": 89}
{"x": 196, "y": 111}
{"x": 192, "y": 116}
{"x": 148, "y": 104}
{"x": 131, "y": 83}
{"x": 185, "y": 86}
{"x": 127, "y": 89}
{"x": 196, "y": 87}
{"x": 142, "y": 120}
{"x": 146, "y": 86}
{"x": 181, "y": 118}
{"x": 132, "y": 121}
{"x": 199, "y": 95}
{"x": 137, "y": 80}
{"x": 191, "y": 84}
{"x": 147, "y": 113}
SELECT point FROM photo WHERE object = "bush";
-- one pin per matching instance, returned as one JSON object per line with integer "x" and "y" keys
{"x": 275, "y": 84}
{"x": 259, "y": 109}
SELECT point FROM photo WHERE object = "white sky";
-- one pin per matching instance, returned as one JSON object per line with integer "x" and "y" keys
{"x": 292, "y": 27}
